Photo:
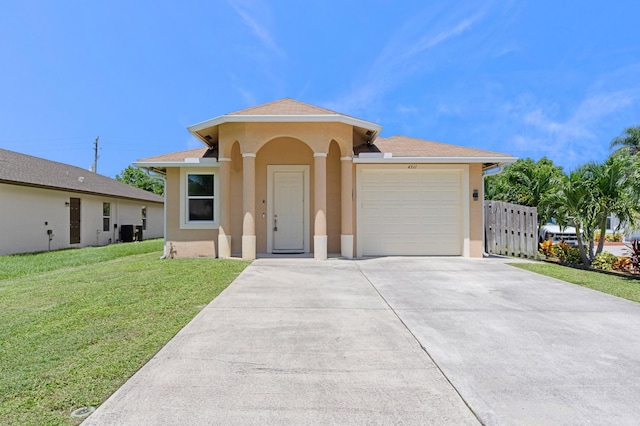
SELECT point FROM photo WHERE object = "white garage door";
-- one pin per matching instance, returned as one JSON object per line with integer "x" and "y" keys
{"x": 410, "y": 212}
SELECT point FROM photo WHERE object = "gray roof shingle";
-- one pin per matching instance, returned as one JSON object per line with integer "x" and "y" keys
{"x": 21, "y": 169}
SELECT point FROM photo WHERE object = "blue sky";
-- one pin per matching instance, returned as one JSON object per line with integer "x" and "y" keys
{"x": 529, "y": 78}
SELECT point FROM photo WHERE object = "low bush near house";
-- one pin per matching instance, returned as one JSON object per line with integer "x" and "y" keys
{"x": 563, "y": 252}
{"x": 546, "y": 248}
{"x": 604, "y": 261}
{"x": 567, "y": 254}
{"x": 623, "y": 264}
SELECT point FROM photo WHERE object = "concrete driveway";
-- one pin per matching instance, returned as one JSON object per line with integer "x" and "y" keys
{"x": 520, "y": 348}
{"x": 393, "y": 341}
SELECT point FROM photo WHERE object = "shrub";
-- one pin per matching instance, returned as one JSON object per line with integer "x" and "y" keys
{"x": 634, "y": 255}
{"x": 610, "y": 238}
{"x": 623, "y": 264}
{"x": 567, "y": 254}
{"x": 604, "y": 261}
{"x": 546, "y": 248}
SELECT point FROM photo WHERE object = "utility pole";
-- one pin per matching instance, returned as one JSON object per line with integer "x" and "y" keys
{"x": 95, "y": 155}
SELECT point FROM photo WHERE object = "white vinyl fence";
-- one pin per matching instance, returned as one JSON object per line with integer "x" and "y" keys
{"x": 510, "y": 229}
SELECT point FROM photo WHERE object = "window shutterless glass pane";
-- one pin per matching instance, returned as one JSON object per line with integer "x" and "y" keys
{"x": 106, "y": 209}
{"x": 201, "y": 210}
{"x": 200, "y": 185}
{"x": 105, "y": 224}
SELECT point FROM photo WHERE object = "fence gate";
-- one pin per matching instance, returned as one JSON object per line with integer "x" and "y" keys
{"x": 510, "y": 229}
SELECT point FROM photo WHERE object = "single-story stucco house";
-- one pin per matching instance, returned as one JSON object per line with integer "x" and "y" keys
{"x": 46, "y": 205}
{"x": 289, "y": 177}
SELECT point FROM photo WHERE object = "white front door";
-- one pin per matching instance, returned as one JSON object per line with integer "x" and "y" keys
{"x": 288, "y": 211}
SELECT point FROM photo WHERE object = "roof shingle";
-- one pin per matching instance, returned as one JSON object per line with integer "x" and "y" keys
{"x": 286, "y": 106}
{"x": 21, "y": 169}
{"x": 403, "y": 146}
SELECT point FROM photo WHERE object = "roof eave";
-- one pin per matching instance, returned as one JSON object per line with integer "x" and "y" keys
{"x": 187, "y": 162}
{"x": 308, "y": 118}
{"x": 76, "y": 191}
{"x": 446, "y": 160}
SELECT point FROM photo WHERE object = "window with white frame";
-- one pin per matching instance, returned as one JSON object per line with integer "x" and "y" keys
{"x": 200, "y": 198}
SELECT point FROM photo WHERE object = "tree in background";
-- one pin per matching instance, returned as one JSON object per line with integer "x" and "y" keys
{"x": 528, "y": 183}
{"x": 591, "y": 193}
{"x": 137, "y": 177}
{"x": 629, "y": 141}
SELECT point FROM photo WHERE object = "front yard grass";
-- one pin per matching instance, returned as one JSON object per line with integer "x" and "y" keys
{"x": 627, "y": 288}
{"x": 72, "y": 335}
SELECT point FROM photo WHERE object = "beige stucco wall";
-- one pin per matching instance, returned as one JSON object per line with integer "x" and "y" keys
{"x": 184, "y": 242}
{"x": 334, "y": 202}
{"x": 252, "y": 136}
{"x": 27, "y": 213}
{"x": 476, "y": 224}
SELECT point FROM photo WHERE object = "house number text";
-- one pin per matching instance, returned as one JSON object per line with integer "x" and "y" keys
{"x": 412, "y": 166}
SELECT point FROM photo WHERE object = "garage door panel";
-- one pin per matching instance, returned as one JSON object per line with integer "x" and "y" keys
{"x": 415, "y": 212}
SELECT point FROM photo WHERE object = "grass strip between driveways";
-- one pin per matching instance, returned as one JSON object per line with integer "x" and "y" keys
{"x": 627, "y": 288}
{"x": 71, "y": 336}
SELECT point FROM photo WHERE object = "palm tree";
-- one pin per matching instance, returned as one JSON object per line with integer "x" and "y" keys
{"x": 576, "y": 208}
{"x": 629, "y": 141}
{"x": 591, "y": 193}
{"x": 528, "y": 183}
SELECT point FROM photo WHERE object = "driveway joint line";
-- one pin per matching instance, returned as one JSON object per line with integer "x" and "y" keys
{"x": 420, "y": 344}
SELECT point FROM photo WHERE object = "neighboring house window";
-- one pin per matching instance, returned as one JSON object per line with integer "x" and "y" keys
{"x": 144, "y": 218}
{"x": 106, "y": 217}
{"x": 200, "y": 197}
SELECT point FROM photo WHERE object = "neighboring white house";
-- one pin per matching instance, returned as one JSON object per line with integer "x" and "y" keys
{"x": 45, "y": 205}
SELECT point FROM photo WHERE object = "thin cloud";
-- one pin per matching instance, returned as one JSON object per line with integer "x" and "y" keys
{"x": 244, "y": 10}
{"x": 429, "y": 41}
{"x": 574, "y": 140}
{"x": 404, "y": 55}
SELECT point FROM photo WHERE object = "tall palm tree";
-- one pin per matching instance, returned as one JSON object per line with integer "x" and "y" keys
{"x": 615, "y": 193}
{"x": 576, "y": 207}
{"x": 629, "y": 141}
{"x": 591, "y": 193}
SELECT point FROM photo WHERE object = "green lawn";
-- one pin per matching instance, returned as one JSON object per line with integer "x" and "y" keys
{"x": 70, "y": 336}
{"x": 620, "y": 286}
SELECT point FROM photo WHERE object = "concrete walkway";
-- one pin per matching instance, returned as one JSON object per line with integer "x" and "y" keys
{"x": 290, "y": 342}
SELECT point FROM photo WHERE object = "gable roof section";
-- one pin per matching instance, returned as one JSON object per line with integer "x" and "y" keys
{"x": 286, "y": 106}
{"x": 21, "y": 169}
{"x": 285, "y": 110}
